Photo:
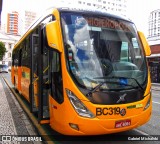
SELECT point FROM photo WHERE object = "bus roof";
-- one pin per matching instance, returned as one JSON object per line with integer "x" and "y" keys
{"x": 89, "y": 11}
{"x": 94, "y": 11}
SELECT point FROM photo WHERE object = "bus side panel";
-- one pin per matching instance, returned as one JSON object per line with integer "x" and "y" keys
{"x": 12, "y": 74}
{"x": 16, "y": 76}
{"x": 19, "y": 78}
{"x": 25, "y": 81}
{"x": 60, "y": 115}
{"x": 36, "y": 93}
{"x": 22, "y": 82}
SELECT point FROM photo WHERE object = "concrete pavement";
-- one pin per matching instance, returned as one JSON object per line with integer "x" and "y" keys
{"x": 156, "y": 86}
{"x": 13, "y": 120}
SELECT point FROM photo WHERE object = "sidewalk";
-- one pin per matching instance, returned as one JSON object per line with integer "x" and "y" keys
{"x": 156, "y": 86}
{"x": 13, "y": 120}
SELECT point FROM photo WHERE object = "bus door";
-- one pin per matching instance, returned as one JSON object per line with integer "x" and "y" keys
{"x": 39, "y": 76}
{"x": 34, "y": 78}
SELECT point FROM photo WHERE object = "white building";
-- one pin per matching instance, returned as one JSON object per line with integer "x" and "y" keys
{"x": 115, "y": 6}
{"x": 29, "y": 18}
{"x": 154, "y": 25}
{"x": 9, "y": 41}
{"x": 154, "y": 33}
{"x": 154, "y": 42}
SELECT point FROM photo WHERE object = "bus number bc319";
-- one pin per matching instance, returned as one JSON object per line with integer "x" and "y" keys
{"x": 108, "y": 111}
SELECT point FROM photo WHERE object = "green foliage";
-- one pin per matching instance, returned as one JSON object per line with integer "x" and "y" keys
{"x": 2, "y": 50}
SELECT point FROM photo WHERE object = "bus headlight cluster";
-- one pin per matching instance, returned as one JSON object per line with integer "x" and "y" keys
{"x": 79, "y": 107}
{"x": 148, "y": 102}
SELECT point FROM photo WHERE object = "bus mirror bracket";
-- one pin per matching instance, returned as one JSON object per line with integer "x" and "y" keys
{"x": 144, "y": 43}
{"x": 53, "y": 35}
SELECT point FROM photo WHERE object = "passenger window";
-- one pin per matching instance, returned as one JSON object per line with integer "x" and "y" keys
{"x": 56, "y": 76}
{"x": 15, "y": 58}
{"x": 124, "y": 51}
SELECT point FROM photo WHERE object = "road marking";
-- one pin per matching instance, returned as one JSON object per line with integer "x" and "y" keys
{"x": 156, "y": 102}
{"x": 141, "y": 132}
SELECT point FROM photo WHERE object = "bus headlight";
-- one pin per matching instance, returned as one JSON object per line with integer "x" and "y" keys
{"x": 79, "y": 107}
{"x": 148, "y": 103}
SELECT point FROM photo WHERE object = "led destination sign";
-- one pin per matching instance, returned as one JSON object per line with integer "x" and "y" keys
{"x": 107, "y": 23}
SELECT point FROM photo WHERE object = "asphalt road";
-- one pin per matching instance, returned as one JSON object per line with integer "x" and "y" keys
{"x": 152, "y": 128}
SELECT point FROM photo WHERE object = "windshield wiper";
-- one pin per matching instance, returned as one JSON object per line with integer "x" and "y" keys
{"x": 100, "y": 84}
{"x": 119, "y": 77}
{"x": 131, "y": 78}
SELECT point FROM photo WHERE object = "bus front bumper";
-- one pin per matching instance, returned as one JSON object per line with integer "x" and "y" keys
{"x": 97, "y": 126}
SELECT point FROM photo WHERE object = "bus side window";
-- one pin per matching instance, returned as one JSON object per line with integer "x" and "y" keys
{"x": 13, "y": 58}
{"x": 56, "y": 76}
{"x": 20, "y": 57}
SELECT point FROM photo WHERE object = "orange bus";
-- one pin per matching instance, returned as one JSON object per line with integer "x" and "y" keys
{"x": 84, "y": 72}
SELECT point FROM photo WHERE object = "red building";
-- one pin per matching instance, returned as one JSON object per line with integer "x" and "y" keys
{"x": 12, "y": 23}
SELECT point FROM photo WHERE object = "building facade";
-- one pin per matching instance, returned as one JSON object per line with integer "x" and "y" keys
{"x": 154, "y": 25}
{"x": 154, "y": 42}
{"x": 29, "y": 19}
{"x": 1, "y": 3}
{"x": 115, "y": 6}
{"x": 154, "y": 61}
{"x": 9, "y": 42}
{"x": 14, "y": 23}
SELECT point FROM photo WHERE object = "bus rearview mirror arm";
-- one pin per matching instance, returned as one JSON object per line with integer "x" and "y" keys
{"x": 144, "y": 44}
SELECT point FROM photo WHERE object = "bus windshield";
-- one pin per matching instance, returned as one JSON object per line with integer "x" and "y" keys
{"x": 103, "y": 50}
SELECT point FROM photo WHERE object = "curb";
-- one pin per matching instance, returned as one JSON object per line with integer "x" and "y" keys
{"x": 39, "y": 128}
{"x": 155, "y": 84}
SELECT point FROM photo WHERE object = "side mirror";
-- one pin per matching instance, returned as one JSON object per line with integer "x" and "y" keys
{"x": 53, "y": 35}
{"x": 144, "y": 43}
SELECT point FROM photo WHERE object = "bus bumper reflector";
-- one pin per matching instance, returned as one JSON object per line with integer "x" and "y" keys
{"x": 74, "y": 126}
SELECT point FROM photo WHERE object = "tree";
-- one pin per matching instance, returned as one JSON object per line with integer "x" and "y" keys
{"x": 2, "y": 50}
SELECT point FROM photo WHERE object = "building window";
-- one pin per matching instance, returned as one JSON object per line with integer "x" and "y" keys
{"x": 89, "y": 4}
{"x": 10, "y": 46}
{"x": 9, "y": 55}
{"x": 9, "y": 63}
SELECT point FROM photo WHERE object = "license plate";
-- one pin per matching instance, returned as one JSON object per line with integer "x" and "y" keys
{"x": 123, "y": 123}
